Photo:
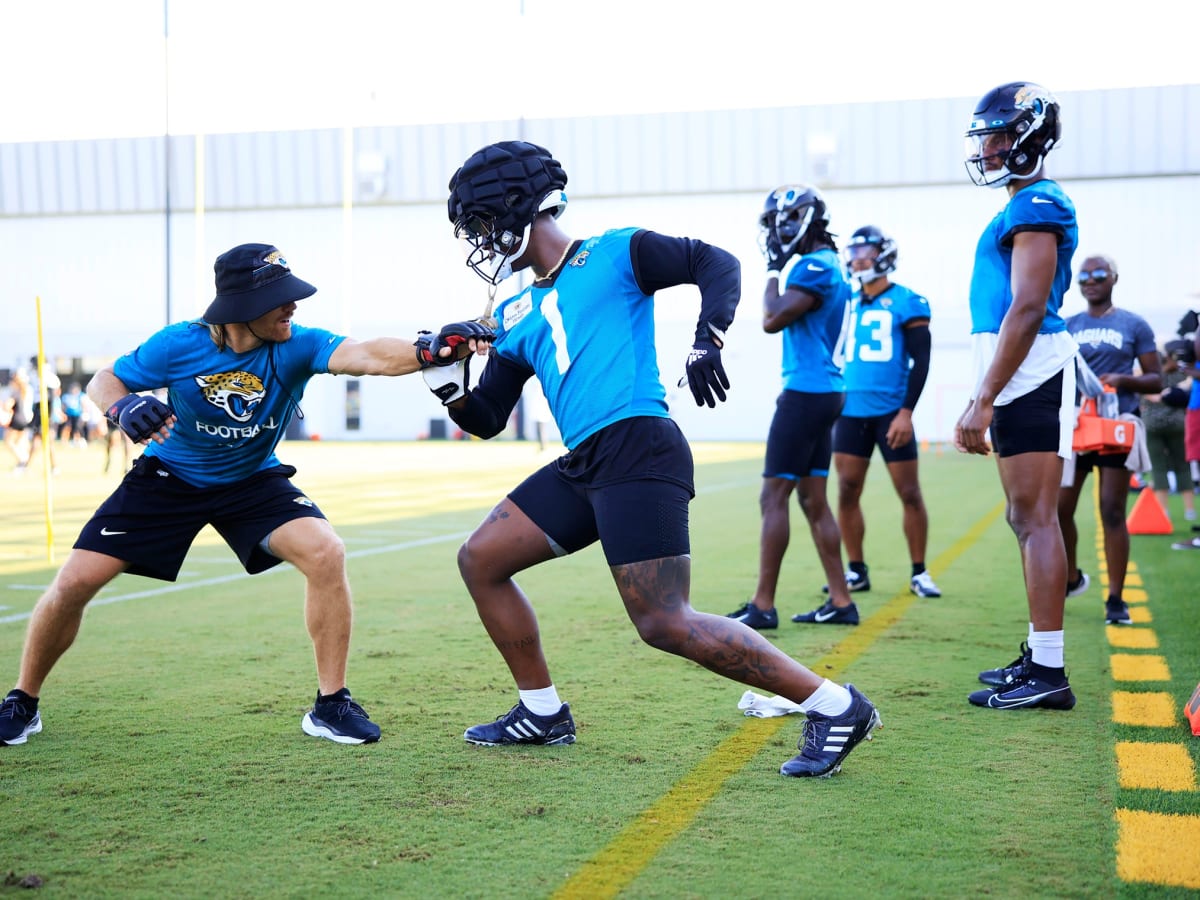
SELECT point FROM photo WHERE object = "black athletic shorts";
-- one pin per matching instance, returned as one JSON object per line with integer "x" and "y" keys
{"x": 1031, "y": 423}
{"x": 859, "y": 436}
{"x": 800, "y": 442}
{"x": 152, "y": 517}
{"x": 628, "y": 486}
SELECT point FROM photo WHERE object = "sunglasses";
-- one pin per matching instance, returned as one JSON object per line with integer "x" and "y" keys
{"x": 1094, "y": 275}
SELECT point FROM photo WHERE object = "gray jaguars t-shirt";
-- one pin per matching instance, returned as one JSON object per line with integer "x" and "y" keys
{"x": 1112, "y": 343}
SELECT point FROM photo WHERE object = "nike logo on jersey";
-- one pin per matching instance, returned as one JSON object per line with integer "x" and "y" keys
{"x": 813, "y": 268}
{"x": 1041, "y": 200}
{"x": 104, "y": 531}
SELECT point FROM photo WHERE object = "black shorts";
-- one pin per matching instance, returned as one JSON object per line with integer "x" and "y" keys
{"x": 800, "y": 443}
{"x": 859, "y": 436}
{"x": 1032, "y": 423}
{"x": 1085, "y": 462}
{"x": 628, "y": 486}
{"x": 152, "y": 517}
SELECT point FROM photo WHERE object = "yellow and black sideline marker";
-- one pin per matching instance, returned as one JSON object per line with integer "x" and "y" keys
{"x": 1151, "y": 846}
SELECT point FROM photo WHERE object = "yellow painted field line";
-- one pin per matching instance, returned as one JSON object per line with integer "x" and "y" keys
{"x": 616, "y": 865}
{"x": 1151, "y": 709}
{"x": 1158, "y": 848}
{"x": 1156, "y": 766}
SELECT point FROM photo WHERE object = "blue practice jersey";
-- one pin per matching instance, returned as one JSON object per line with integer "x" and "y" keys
{"x": 1041, "y": 206}
{"x": 811, "y": 355}
{"x": 232, "y": 407}
{"x": 877, "y": 360}
{"x": 589, "y": 339}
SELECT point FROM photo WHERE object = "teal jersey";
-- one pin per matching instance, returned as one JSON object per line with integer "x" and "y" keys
{"x": 811, "y": 344}
{"x": 877, "y": 361}
{"x": 589, "y": 338}
{"x": 232, "y": 407}
{"x": 1041, "y": 206}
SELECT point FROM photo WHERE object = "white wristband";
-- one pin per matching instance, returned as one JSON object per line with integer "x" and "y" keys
{"x": 771, "y": 273}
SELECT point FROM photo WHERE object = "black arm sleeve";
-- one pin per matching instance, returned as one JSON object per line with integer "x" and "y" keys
{"x": 917, "y": 341}
{"x": 488, "y": 407}
{"x": 662, "y": 262}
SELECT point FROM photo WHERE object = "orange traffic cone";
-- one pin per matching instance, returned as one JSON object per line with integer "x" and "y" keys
{"x": 1148, "y": 516}
{"x": 1192, "y": 711}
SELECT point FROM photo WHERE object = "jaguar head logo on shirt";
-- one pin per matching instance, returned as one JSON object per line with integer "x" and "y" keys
{"x": 238, "y": 394}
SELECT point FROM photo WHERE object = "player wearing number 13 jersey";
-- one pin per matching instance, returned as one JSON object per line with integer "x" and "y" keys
{"x": 887, "y": 361}
{"x": 585, "y": 329}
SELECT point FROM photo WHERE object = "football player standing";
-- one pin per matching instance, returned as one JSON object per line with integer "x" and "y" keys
{"x": 1024, "y": 388}
{"x": 810, "y": 312}
{"x": 887, "y": 361}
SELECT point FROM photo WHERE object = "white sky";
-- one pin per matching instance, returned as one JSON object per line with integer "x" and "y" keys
{"x": 97, "y": 68}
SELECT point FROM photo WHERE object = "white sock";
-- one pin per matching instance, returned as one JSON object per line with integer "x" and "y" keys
{"x": 1046, "y": 647}
{"x": 542, "y": 702}
{"x": 829, "y": 700}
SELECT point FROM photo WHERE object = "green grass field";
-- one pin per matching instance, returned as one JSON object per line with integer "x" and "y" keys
{"x": 172, "y": 761}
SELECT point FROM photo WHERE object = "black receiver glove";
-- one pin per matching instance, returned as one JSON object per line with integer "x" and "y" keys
{"x": 705, "y": 372}
{"x": 774, "y": 252}
{"x": 139, "y": 416}
{"x": 456, "y": 336}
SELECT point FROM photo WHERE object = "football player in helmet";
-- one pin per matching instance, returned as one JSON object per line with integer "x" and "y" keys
{"x": 232, "y": 379}
{"x": 584, "y": 328}
{"x": 887, "y": 362}
{"x": 1112, "y": 341}
{"x": 1024, "y": 388}
{"x": 809, "y": 312}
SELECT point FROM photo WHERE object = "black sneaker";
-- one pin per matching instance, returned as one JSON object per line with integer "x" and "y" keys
{"x": 1079, "y": 585}
{"x": 18, "y": 720}
{"x": 827, "y": 740}
{"x": 1116, "y": 612}
{"x": 854, "y": 582}
{"x": 1026, "y": 691}
{"x": 756, "y": 618}
{"x": 339, "y": 719}
{"x": 829, "y": 615}
{"x": 520, "y": 726}
{"x": 1007, "y": 674}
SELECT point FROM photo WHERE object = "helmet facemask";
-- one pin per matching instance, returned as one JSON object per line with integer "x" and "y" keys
{"x": 490, "y": 250}
{"x": 1010, "y": 134}
{"x": 871, "y": 243}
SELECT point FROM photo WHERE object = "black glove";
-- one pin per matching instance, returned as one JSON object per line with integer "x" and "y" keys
{"x": 456, "y": 336}
{"x": 774, "y": 252}
{"x": 449, "y": 382}
{"x": 705, "y": 373}
{"x": 139, "y": 416}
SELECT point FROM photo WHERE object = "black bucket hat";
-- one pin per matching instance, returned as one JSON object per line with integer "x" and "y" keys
{"x": 253, "y": 279}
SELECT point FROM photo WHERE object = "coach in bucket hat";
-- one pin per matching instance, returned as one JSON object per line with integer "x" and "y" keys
{"x": 252, "y": 280}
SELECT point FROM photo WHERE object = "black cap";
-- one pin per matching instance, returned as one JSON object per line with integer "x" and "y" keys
{"x": 253, "y": 279}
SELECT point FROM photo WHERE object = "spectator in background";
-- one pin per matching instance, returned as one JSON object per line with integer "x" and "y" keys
{"x": 20, "y": 398}
{"x": 809, "y": 311}
{"x": 1112, "y": 341}
{"x": 1164, "y": 436}
{"x": 887, "y": 361}
{"x": 72, "y": 408}
{"x": 1025, "y": 370}
{"x": 1192, "y": 427}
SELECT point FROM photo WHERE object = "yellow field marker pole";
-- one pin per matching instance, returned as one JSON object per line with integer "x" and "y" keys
{"x": 44, "y": 403}
{"x": 615, "y": 866}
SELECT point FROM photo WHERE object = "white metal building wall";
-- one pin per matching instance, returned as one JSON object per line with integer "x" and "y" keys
{"x": 82, "y": 226}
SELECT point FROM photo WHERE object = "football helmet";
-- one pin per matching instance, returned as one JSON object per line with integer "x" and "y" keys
{"x": 1013, "y": 128}
{"x": 494, "y": 198}
{"x": 791, "y": 210}
{"x": 868, "y": 240}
